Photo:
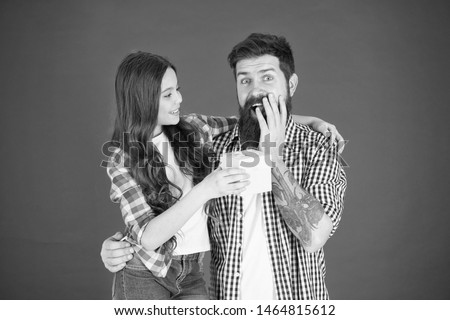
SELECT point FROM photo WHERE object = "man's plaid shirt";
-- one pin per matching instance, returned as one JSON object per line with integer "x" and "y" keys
{"x": 136, "y": 212}
{"x": 297, "y": 273}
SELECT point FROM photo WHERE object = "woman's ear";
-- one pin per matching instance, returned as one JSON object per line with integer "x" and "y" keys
{"x": 293, "y": 82}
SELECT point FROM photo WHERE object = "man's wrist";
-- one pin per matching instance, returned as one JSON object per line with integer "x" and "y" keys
{"x": 276, "y": 162}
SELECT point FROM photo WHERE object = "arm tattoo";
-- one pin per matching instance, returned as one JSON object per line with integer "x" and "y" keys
{"x": 300, "y": 210}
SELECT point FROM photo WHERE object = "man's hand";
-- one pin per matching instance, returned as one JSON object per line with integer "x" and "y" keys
{"x": 273, "y": 127}
{"x": 116, "y": 253}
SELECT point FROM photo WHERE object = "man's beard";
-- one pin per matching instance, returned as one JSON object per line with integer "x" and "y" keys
{"x": 249, "y": 130}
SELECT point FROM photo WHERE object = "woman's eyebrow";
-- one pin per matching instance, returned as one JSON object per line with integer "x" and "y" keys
{"x": 170, "y": 88}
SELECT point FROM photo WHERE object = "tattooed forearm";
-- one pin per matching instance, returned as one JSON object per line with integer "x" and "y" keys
{"x": 301, "y": 211}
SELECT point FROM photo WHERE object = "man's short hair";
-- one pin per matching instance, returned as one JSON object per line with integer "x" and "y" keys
{"x": 259, "y": 44}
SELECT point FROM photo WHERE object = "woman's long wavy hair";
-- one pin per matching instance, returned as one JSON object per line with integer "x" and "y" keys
{"x": 138, "y": 90}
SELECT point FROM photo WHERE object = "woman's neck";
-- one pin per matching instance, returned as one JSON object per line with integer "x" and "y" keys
{"x": 157, "y": 131}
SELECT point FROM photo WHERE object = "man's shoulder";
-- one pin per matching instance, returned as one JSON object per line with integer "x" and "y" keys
{"x": 304, "y": 137}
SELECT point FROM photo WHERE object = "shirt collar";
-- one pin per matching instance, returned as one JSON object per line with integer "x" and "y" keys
{"x": 290, "y": 130}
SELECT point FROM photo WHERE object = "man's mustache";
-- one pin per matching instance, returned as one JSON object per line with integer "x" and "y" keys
{"x": 254, "y": 102}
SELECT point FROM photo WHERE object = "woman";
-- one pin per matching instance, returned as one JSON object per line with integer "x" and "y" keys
{"x": 161, "y": 186}
{"x": 161, "y": 176}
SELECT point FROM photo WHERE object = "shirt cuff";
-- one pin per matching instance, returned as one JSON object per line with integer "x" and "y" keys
{"x": 140, "y": 233}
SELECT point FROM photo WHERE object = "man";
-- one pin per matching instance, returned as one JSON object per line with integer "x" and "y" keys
{"x": 269, "y": 245}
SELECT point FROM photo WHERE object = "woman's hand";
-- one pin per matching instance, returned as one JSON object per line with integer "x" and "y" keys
{"x": 326, "y": 128}
{"x": 222, "y": 182}
{"x": 329, "y": 130}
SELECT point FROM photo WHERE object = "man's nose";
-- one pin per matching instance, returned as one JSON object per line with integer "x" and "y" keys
{"x": 257, "y": 91}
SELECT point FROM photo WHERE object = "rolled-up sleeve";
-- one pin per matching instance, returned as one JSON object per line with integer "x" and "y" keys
{"x": 212, "y": 126}
{"x": 136, "y": 213}
{"x": 325, "y": 179}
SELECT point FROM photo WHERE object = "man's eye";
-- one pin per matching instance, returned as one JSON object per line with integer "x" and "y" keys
{"x": 268, "y": 78}
{"x": 245, "y": 81}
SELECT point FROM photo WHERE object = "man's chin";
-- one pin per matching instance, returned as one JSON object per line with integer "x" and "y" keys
{"x": 249, "y": 130}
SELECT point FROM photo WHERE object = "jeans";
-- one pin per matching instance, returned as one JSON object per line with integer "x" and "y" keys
{"x": 184, "y": 281}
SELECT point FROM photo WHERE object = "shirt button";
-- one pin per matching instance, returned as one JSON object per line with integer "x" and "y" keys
{"x": 237, "y": 274}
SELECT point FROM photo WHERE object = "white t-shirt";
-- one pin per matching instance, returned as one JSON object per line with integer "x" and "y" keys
{"x": 257, "y": 281}
{"x": 193, "y": 235}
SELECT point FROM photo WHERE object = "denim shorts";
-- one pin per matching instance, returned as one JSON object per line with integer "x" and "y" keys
{"x": 184, "y": 281}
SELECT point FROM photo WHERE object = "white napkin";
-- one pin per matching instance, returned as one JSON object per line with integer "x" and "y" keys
{"x": 254, "y": 163}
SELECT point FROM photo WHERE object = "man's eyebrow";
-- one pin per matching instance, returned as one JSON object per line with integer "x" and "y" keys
{"x": 265, "y": 70}
{"x": 243, "y": 73}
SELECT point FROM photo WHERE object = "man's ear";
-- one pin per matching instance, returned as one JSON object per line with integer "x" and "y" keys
{"x": 293, "y": 82}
